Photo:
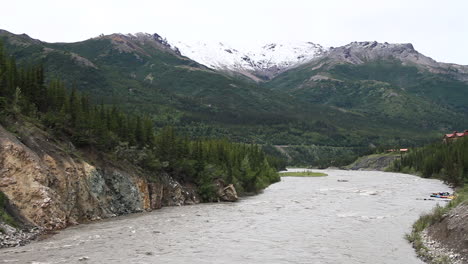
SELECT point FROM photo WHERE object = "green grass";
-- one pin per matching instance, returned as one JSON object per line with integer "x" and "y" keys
{"x": 303, "y": 174}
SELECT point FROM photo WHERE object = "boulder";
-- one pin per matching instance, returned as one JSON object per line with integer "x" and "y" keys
{"x": 176, "y": 194}
{"x": 228, "y": 193}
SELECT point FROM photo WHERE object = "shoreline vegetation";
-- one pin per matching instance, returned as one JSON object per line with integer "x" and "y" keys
{"x": 447, "y": 162}
{"x": 418, "y": 236}
{"x": 303, "y": 174}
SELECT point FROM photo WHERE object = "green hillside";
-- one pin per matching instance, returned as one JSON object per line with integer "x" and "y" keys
{"x": 147, "y": 77}
{"x": 101, "y": 133}
{"x": 399, "y": 95}
{"x": 353, "y": 107}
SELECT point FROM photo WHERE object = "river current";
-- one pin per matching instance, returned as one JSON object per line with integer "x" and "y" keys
{"x": 346, "y": 217}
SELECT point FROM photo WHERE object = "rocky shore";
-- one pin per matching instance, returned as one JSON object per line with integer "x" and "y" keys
{"x": 448, "y": 238}
{"x": 440, "y": 253}
{"x": 13, "y": 237}
{"x": 48, "y": 185}
{"x": 441, "y": 236}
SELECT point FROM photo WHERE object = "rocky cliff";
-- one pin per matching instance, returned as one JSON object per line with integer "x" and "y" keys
{"x": 374, "y": 162}
{"x": 52, "y": 185}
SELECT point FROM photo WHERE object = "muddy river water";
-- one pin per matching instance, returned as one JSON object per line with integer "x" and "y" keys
{"x": 298, "y": 220}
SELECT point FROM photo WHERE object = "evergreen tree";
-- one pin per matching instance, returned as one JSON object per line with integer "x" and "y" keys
{"x": 203, "y": 162}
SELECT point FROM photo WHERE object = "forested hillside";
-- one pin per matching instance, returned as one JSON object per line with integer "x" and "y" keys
{"x": 445, "y": 161}
{"x": 330, "y": 101}
{"x": 26, "y": 97}
{"x": 386, "y": 90}
{"x": 142, "y": 75}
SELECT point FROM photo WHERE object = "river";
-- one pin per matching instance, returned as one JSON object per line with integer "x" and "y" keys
{"x": 298, "y": 220}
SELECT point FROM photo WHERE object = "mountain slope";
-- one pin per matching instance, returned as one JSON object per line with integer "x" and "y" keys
{"x": 350, "y": 96}
{"x": 142, "y": 71}
{"x": 390, "y": 81}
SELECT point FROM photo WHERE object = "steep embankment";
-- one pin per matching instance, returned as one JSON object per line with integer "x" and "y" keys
{"x": 441, "y": 236}
{"x": 377, "y": 162}
{"x": 450, "y": 234}
{"x": 50, "y": 185}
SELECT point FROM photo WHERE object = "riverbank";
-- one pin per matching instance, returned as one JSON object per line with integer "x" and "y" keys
{"x": 51, "y": 184}
{"x": 297, "y": 220}
{"x": 374, "y": 162}
{"x": 302, "y": 174}
{"x": 442, "y": 235}
{"x": 14, "y": 230}
{"x": 14, "y": 237}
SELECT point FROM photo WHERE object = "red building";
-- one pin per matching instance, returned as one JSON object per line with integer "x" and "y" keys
{"x": 454, "y": 136}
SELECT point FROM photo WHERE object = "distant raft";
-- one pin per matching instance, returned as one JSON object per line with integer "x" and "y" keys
{"x": 443, "y": 195}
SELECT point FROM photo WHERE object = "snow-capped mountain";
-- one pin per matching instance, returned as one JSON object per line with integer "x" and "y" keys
{"x": 263, "y": 62}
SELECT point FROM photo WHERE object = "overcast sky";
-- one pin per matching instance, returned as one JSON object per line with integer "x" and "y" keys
{"x": 437, "y": 28}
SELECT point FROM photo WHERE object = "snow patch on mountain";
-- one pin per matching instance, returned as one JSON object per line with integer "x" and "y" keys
{"x": 264, "y": 60}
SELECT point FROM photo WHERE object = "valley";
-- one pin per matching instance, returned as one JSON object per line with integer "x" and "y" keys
{"x": 360, "y": 221}
{"x": 127, "y": 123}
{"x": 359, "y": 95}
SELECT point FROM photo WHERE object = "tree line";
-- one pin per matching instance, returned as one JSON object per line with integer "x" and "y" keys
{"x": 24, "y": 92}
{"x": 446, "y": 161}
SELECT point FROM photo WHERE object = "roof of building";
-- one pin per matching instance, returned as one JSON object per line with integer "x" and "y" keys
{"x": 456, "y": 134}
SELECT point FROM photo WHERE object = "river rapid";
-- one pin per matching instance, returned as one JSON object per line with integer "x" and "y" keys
{"x": 298, "y": 220}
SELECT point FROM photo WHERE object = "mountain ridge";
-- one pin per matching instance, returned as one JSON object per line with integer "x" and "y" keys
{"x": 268, "y": 60}
{"x": 361, "y": 52}
{"x": 250, "y": 64}
{"x": 261, "y": 63}
{"x": 324, "y": 101}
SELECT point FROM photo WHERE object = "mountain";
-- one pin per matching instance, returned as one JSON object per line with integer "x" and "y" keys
{"x": 66, "y": 160}
{"x": 358, "y": 53}
{"x": 142, "y": 72}
{"x": 361, "y": 94}
{"x": 258, "y": 63}
{"x": 391, "y": 81}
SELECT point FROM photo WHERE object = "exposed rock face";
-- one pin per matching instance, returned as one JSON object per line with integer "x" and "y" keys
{"x": 368, "y": 51}
{"x": 53, "y": 188}
{"x": 373, "y": 162}
{"x": 54, "y": 191}
{"x": 228, "y": 194}
{"x": 137, "y": 43}
{"x": 361, "y": 52}
{"x": 175, "y": 194}
{"x": 451, "y": 233}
